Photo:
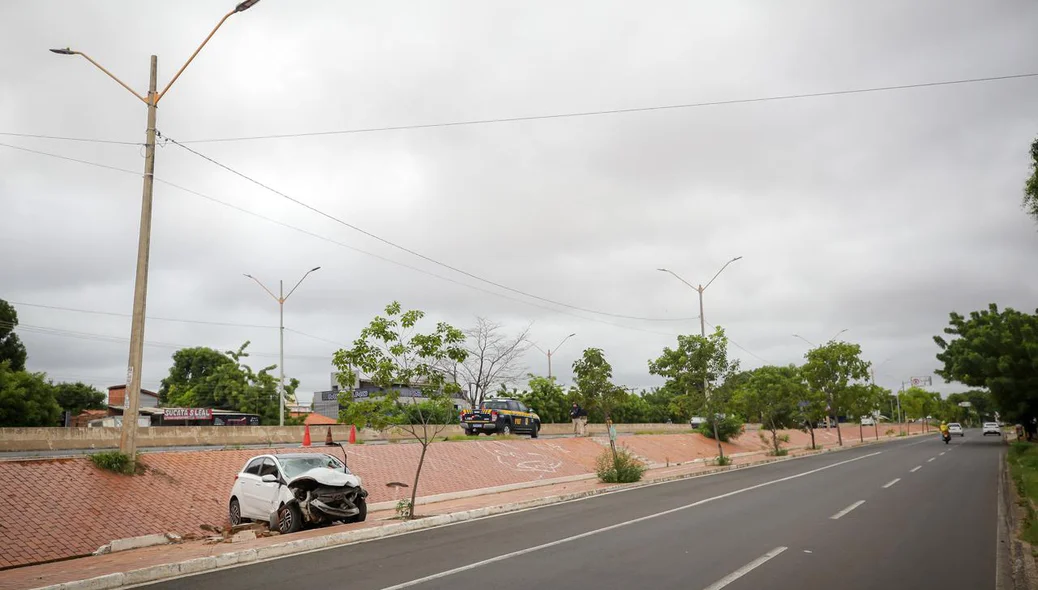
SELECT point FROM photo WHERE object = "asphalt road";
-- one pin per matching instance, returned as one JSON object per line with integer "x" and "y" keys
{"x": 915, "y": 513}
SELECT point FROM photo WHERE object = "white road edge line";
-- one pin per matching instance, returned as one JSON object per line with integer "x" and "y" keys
{"x": 749, "y": 567}
{"x": 846, "y": 510}
{"x": 941, "y": 453}
{"x": 916, "y": 468}
{"x": 891, "y": 482}
{"x": 505, "y": 556}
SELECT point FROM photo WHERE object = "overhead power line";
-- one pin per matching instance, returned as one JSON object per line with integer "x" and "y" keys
{"x": 691, "y": 105}
{"x": 349, "y": 247}
{"x": 76, "y": 139}
{"x": 414, "y": 252}
{"x": 150, "y": 318}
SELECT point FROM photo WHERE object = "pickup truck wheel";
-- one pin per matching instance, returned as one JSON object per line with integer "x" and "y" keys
{"x": 535, "y": 431}
{"x": 506, "y": 429}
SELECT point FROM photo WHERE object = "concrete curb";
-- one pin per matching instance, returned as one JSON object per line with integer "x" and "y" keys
{"x": 204, "y": 564}
{"x": 1015, "y": 564}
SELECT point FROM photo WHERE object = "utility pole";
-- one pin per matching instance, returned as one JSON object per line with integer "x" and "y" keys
{"x": 702, "y": 332}
{"x": 132, "y": 396}
{"x": 131, "y": 401}
{"x": 281, "y": 298}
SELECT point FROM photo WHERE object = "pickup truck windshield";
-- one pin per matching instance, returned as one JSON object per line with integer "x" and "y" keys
{"x": 496, "y": 405}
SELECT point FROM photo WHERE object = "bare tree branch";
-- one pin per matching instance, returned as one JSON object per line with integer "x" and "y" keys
{"x": 494, "y": 358}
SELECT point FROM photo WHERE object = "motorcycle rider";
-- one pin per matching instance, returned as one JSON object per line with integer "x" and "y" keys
{"x": 944, "y": 430}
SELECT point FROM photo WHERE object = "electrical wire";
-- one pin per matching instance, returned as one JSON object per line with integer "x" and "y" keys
{"x": 347, "y": 246}
{"x": 415, "y": 253}
{"x": 149, "y": 318}
{"x": 692, "y": 105}
{"x": 77, "y": 139}
{"x": 739, "y": 346}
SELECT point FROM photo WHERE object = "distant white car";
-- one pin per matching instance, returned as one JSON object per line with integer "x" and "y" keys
{"x": 955, "y": 428}
{"x": 293, "y": 489}
{"x": 992, "y": 428}
{"x": 867, "y": 421}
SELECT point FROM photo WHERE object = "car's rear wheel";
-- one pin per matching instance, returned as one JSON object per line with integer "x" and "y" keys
{"x": 234, "y": 513}
{"x": 506, "y": 429}
{"x": 535, "y": 430}
{"x": 290, "y": 519}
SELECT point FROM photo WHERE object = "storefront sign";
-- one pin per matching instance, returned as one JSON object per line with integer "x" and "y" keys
{"x": 187, "y": 413}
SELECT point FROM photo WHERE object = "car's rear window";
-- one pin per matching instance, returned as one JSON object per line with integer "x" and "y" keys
{"x": 955, "y": 424}
{"x": 496, "y": 405}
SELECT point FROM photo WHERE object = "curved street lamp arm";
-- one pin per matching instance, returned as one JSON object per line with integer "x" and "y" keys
{"x": 564, "y": 340}
{"x": 190, "y": 59}
{"x": 301, "y": 281}
{"x": 722, "y": 270}
{"x": 264, "y": 287}
{"x": 102, "y": 68}
{"x": 675, "y": 275}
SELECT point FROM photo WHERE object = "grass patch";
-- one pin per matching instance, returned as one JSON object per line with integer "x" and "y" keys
{"x": 722, "y": 461}
{"x": 1023, "y": 466}
{"x": 625, "y": 468}
{"x": 116, "y": 462}
{"x": 779, "y": 453}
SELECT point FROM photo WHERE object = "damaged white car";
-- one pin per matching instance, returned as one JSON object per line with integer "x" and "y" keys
{"x": 293, "y": 489}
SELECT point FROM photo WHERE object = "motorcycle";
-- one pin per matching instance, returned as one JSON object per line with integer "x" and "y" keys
{"x": 946, "y": 435}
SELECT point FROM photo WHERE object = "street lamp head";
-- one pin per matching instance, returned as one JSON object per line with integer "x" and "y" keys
{"x": 662, "y": 270}
{"x": 248, "y": 276}
{"x": 65, "y": 51}
{"x": 571, "y": 335}
{"x": 247, "y": 4}
{"x": 736, "y": 258}
{"x": 315, "y": 268}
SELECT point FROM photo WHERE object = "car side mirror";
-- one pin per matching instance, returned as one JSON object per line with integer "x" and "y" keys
{"x": 268, "y": 478}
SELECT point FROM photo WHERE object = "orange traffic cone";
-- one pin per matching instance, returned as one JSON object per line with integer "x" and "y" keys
{"x": 328, "y": 438}
{"x": 353, "y": 433}
{"x": 306, "y": 436}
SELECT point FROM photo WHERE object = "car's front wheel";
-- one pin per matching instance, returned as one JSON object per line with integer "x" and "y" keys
{"x": 536, "y": 430}
{"x": 362, "y": 504}
{"x": 290, "y": 519}
{"x": 506, "y": 429}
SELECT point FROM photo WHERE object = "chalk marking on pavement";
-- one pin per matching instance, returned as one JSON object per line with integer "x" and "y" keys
{"x": 749, "y": 567}
{"x": 916, "y": 468}
{"x": 930, "y": 459}
{"x": 478, "y": 564}
{"x": 892, "y": 482}
{"x": 846, "y": 510}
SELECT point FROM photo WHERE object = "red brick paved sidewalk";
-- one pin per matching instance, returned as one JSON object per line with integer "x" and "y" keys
{"x": 87, "y": 567}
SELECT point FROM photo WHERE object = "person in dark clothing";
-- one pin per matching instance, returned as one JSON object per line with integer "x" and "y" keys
{"x": 579, "y": 418}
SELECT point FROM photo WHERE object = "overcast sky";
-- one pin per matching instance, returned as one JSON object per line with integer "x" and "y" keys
{"x": 876, "y": 212}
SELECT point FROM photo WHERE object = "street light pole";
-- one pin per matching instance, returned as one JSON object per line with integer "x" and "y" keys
{"x": 131, "y": 400}
{"x": 702, "y": 332}
{"x": 550, "y": 351}
{"x": 281, "y": 298}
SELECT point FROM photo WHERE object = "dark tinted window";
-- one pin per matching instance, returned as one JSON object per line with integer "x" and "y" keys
{"x": 495, "y": 405}
{"x": 254, "y": 467}
{"x": 268, "y": 468}
{"x": 513, "y": 405}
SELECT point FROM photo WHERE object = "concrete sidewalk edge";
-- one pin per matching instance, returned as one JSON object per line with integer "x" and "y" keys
{"x": 198, "y": 565}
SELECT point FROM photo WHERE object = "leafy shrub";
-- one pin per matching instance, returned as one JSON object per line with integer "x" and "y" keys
{"x": 727, "y": 428}
{"x": 779, "y": 453}
{"x": 722, "y": 461}
{"x": 113, "y": 461}
{"x": 625, "y": 468}
{"x": 783, "y": 438}
{"x": 889, "y": 432}
{"x": 403, "y": 509}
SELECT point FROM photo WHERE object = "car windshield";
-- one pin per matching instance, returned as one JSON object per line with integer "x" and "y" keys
{"x": 294, "y": 466}
{"x": 497, "y": 405}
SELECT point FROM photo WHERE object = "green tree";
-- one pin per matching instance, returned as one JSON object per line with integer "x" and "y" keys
{"x": 632, "y": 409}
{"x": 192, "y": 370}
{"x": 997, "y": 350}
{"x": 918, "y": 403}
{"x": 393, "y": 354}
{"x": 76, "y": 397}
{"x": 11, "y": 348}
{"x": 1031, "y": 186}
{"x": 592, "y": 374}
{"x": 26, "y": 399}
{"x": 661, "y": 407}
{"x": 205, "y": 378}
{"x": 832, "y": 368}
{"x": 861, "y": 400}
{"x": 770, "y": 394}
{"x": 547, "y": 398}
{"x": 694, "y": 364}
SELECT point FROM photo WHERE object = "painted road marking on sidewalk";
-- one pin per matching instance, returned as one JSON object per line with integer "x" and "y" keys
{"x": 916, "y": 468}
{"x": 749, "y": 567}
{"x": 846, "y": 510}
{"x": 505, "y": 556}
{"x": 892, "y": 482}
